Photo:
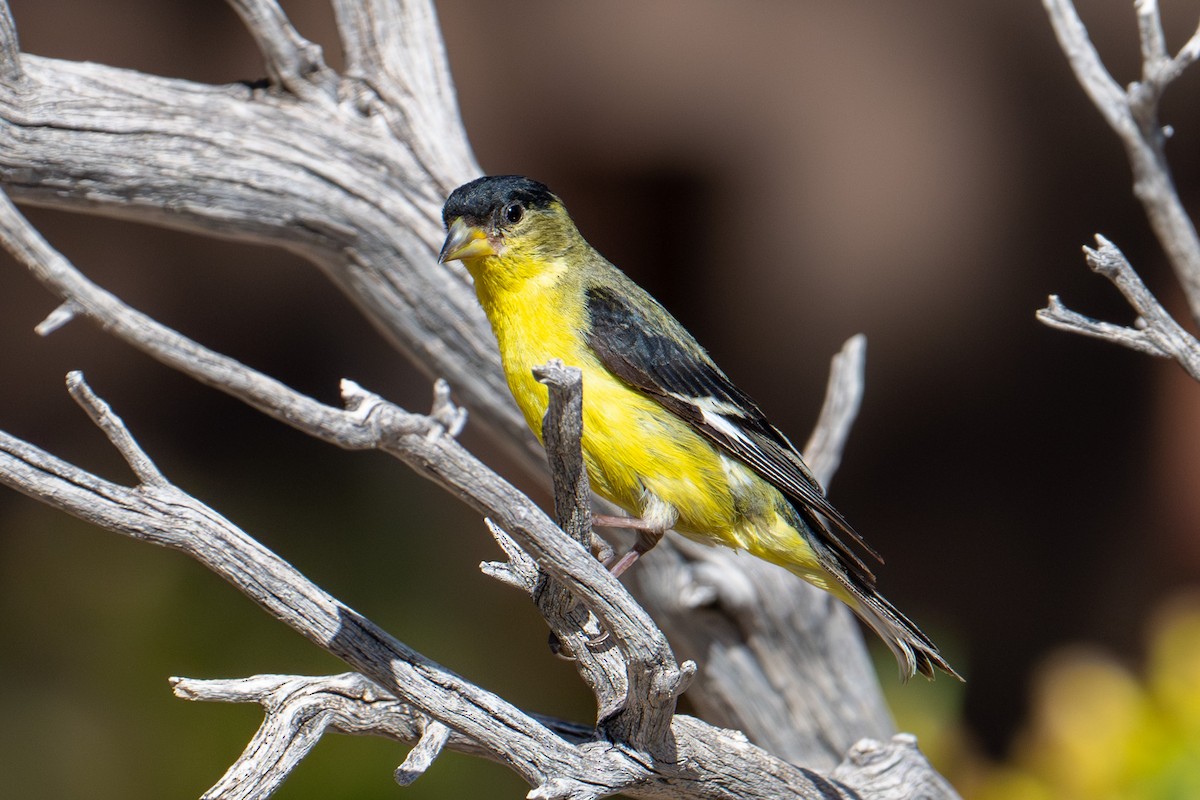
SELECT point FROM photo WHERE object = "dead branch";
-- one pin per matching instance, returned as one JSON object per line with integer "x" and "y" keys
{"x": 350, "y": 170}
{"x": 1132, "y": 113}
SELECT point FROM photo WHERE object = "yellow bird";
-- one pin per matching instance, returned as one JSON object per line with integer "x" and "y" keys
{"x": 666, "y": 435}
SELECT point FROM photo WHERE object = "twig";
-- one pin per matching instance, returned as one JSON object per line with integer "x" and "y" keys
{"x": 1156, "y": 332}
{"x": 573, "y": 630}
{"x": 562, "y": 433}
{"x": 1186, "y": 56}
{"x": 1133, "y": 116}
{"x": 519, "y": 571}
{"x": 1105, "y": 92}
{"x": 102, "y": 415}
{"x": 652, "y": 678}
{"x": 420, "y": 758}
{"x": 348, "y": 703}
{"x": 10, "y": 48}
{"x": 60, "y": 316}
{"x": 1057, "y": 315}
{"x": 1153, "y": 41}
{"x": 843, "y": 398}
{"x": 293, "y": 63}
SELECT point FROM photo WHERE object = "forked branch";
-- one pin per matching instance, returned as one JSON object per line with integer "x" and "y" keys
{"x": 1133, "y": 115}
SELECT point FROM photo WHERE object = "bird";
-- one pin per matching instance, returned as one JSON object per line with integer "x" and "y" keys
{"x": 667, "y": 436}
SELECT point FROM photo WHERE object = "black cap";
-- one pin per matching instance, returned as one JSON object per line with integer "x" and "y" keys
{"x": 478, "y": 199}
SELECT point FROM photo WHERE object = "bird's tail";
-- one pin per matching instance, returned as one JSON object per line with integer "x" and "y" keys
{"x": 794, "y": 543}
{"x": 914, "y": 651}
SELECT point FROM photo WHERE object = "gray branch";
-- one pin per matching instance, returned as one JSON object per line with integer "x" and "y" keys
{"x": 1133, "y": 115}
{"x": 642, "y": 740}
{"x": 10, "y": 50}
{"x": 293, "y": 63}
{"x": 573, "y": 634}
{"x": 350, "y": 171}
{"x": 161, "y": 513}
{"x": 1155, "y": 331}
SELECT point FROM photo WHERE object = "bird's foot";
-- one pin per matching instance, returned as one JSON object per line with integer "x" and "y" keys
{"x": 646, "y": 540}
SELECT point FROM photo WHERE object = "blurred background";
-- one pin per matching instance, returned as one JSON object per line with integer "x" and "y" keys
{"x": 781, "y": 175}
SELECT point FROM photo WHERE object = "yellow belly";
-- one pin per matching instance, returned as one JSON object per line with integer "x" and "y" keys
{"x": 642, "y": 457}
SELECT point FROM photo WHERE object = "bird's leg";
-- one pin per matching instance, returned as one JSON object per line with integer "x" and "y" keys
{"x": 646, "y": 539}
{"x": 648, "y": 535}
{"x": 629, "y": 523}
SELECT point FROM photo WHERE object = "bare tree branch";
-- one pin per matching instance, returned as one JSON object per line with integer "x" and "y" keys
{"x": 299, "y": 710}
{"x": 293, "y": 63}
{"x": 331, "y": 182}
{"x": 162, "y": 514}
{"x": 1133, "y": 116}
{"x": 642, "y": 726}
{"x": 10, "y": 50}
{"x": 843, "y": 397}
{"x": 369, "y": 251}
{"x": 369, "y": 422}
{"x": 573, "y": 632}
{"x": 350, "y": 171}
{"x": 1156, "y": 331}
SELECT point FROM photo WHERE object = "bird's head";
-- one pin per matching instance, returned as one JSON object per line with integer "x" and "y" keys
{"x": 505, "y": 223}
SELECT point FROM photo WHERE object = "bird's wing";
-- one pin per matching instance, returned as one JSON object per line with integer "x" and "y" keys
{"x": 679, "y": 374}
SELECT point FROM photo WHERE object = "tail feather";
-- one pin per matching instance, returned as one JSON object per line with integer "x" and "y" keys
{"x": 914, "y": 651}
{"x": 810, "y": 558}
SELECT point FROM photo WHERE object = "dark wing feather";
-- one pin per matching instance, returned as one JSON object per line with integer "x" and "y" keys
{"x": 669, "y": 366}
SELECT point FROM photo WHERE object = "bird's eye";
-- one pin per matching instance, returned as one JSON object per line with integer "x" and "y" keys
{"x": 513, "y": 212}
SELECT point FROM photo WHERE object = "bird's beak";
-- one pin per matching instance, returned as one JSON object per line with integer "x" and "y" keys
{"x": 465, "y": 241}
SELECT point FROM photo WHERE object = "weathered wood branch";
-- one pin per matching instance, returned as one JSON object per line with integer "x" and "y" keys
{"x": 573, "y": 633}
{"x": 350, "y": 170}
{"x": 158, "y": 512}
{"x": 1132, "y": 114}
{"x": 293, "y": 63}
{"x": 1155, "y": 331}
{"x": 642, "y": 739}
{"x": 338, "y": 182}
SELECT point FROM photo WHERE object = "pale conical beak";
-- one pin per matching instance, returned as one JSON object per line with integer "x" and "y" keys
{"x": 465, "y": 241}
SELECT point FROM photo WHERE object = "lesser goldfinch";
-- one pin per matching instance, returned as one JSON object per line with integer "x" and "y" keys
{"x": 666, "y": 435}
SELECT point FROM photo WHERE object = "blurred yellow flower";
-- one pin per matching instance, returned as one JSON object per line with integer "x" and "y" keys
{"x": 1098, "y": 731}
